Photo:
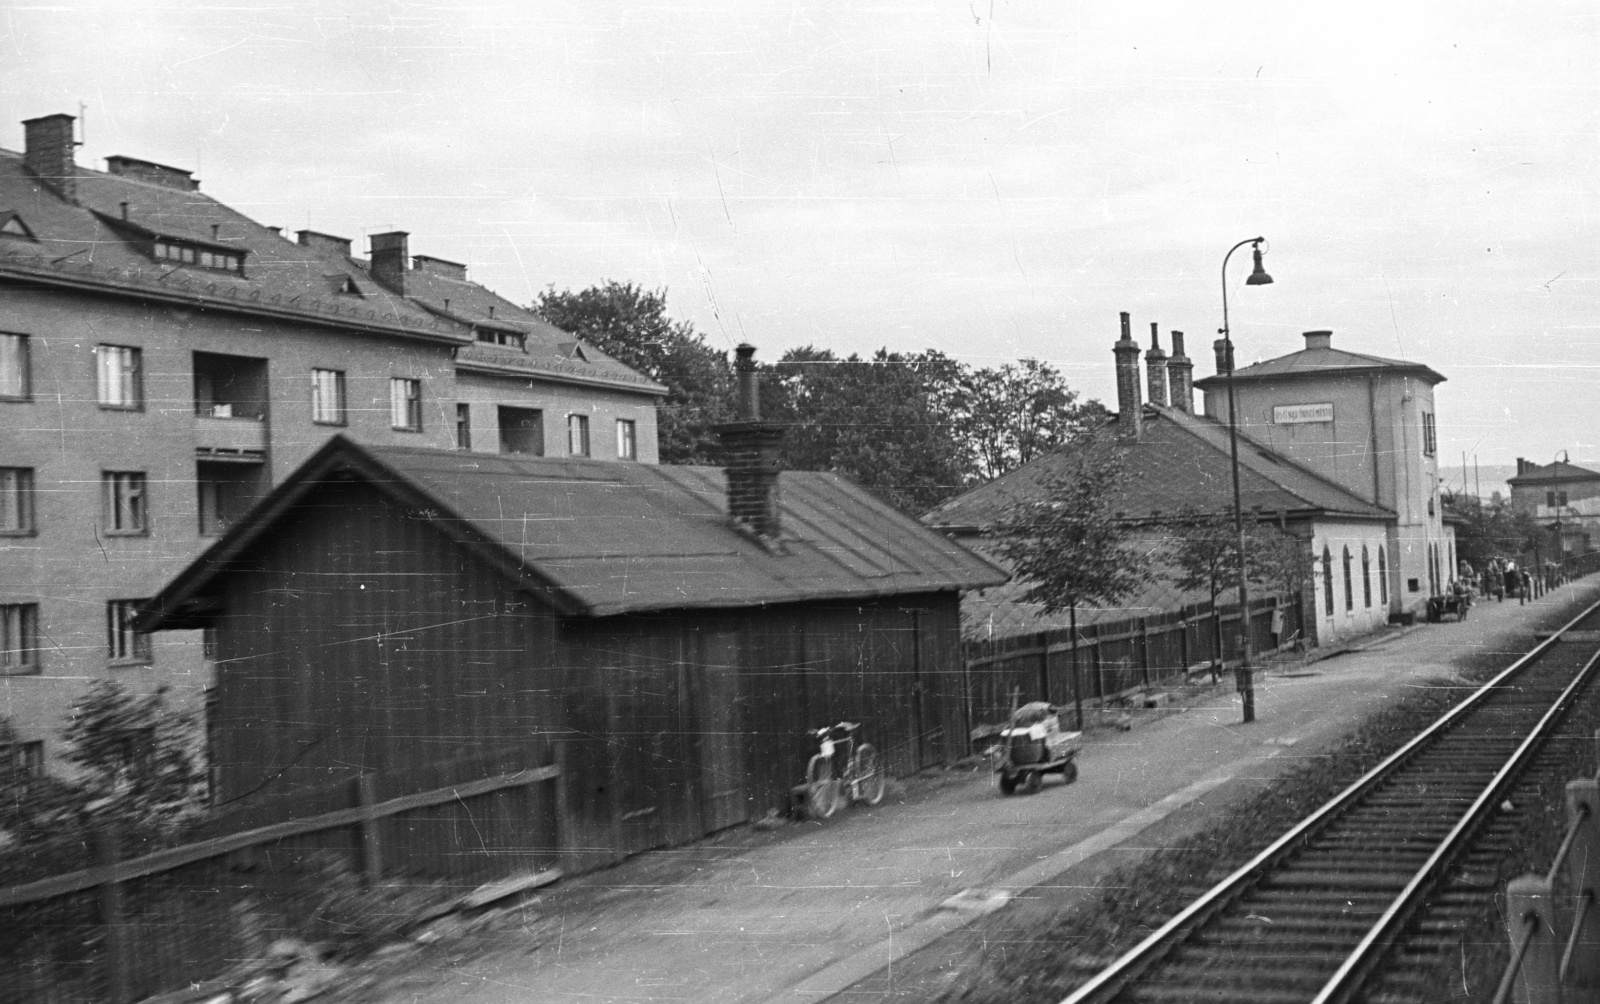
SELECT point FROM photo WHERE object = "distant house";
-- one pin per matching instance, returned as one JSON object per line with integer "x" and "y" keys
{"x": 1337, "y": 476}
{"x": 1563, "y": 498}
{"x": 673, "y": 630}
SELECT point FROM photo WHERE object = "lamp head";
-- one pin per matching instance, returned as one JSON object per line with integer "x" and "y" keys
{"x": 1258, "y": 275}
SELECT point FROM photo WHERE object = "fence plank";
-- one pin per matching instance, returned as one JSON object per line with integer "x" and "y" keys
{"x": 175, "y": 857}
{"x": 107, "y": 843}
{"x": 371, "y": 846}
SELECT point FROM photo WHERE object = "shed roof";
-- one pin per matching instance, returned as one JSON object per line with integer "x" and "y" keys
{"x": 1178, "y": 461}
{"x": 1559, "y": 472}
{"x": 608, "y": 538}
{"x": 1319, "y": 362}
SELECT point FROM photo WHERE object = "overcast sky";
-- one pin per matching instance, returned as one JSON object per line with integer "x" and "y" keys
{"x": 988, "y": 178}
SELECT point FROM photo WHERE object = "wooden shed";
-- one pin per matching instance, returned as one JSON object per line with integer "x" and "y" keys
{"x": 387, "y": 610}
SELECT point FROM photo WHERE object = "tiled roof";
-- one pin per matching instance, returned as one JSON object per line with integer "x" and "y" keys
{"x": 1560, "y": 471}
{"x": 1179, "y": 460}
{"x": 547, "y": 350}
{"x": 101, "y": 243}
{"x": 1319, "y": 362}
{"x": 87, "y": 246}
{"x": 610, "y": 538}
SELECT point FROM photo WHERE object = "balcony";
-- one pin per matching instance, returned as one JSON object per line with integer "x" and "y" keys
{"x": 219, "y": 437}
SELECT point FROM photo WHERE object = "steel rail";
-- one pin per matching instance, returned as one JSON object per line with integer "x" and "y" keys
{"x": 1133, "y": 963}
{"x": 1348, "y": 978}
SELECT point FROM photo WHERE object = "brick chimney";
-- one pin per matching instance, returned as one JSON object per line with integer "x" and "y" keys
{"x": 1129, "y": 409}
{"x": 150, "y": 171}
{"x": 1155, "y": 365}
{"x": 439, "y": 266}
{"x": 47, "y": 152}
{"x": 323, "y": 242}
{"x": 1522, "y": 467}
{"x": 1224, "y": 356}
{"x": 1318, "y": 339}
{"x": 389, "y": 260}
{"x": 1180, "y": 374}
{"x": 750, "y": 455}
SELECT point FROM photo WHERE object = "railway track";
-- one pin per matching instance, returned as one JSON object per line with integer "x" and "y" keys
{"x": 1357, "y": 901}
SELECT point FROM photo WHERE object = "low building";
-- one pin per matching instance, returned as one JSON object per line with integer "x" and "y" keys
{"x": 387, "y": 607}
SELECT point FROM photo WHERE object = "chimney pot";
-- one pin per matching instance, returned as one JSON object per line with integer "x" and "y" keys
{"x": 389, "y": 259}
{"x": 744, "y": 365}
{"x": 1224, "y": 356}
{"x": 47, "y": 151}
{"x": 1129, "y": 409}
{"x": 1180, "y": 375}
{"x": 1318, "y": 339}
{"x": 1155, "y": 362}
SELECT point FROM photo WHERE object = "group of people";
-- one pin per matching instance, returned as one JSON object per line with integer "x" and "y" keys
{"x": 1501, "y": 577}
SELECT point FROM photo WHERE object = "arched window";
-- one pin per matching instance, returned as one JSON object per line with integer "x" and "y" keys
{"x": 1349, "y": 586}
{"x": 1327, "y": 581}
{"x": 1383, "y": 578}
{"x": 1366, "y": 577}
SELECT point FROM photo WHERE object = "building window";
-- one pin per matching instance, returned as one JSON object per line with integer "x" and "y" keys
{"x": 405, "y": 404}
{"x": 118, "y": 369}
{"x": 627, "y": 440}
{"x": 510, "y": 339}
{"x": 1555, "y": 499}
{"x": 1349, "y": 585}
{"x": 1430, "y": 436}
{"x": 25, "y": 759}
{"x": 1327, "y": 581}
{"x": 1383, "y": 578}
{"x": 126, "y": 507}
{"x": 19, "y": 639}
{"x": 16, "y": 501}
{"x": 189, "y": 254}
{"x": 522, "y": 431}
{"x": 463, "y": 426}
{"x": 1366, "y": 577}
{"x": 327, "y": 397}
{"x": 13, "y": 367}
{"x": 578, "y": 435}
{"x": 123, "y": 643}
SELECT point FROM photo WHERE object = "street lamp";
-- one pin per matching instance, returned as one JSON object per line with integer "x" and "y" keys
{"x": 1258, "y": 277}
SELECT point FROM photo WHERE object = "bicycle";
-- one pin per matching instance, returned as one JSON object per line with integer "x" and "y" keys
{"x": 861, "y": 780}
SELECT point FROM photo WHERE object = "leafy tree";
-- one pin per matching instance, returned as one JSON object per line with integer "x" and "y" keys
{"x": 1067, "y": 543}
{"x": 1488, "y": 530}
{"x": 137, "y": 757}
{"x": 883, "y": 422}
{"x": 631, "y": 325}
{"x": 35, "y": 809}
{"x": 1018, "y": 412}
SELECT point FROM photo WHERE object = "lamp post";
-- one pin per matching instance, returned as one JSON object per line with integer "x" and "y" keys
{"x": 1258, "y": 277}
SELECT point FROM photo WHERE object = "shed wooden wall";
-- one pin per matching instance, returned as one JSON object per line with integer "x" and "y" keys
{"x": 360, "y": 638}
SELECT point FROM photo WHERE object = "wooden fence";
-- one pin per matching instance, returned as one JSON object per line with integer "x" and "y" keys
{"x": 126, "y": 928}
{"x": 1114, "y": 659}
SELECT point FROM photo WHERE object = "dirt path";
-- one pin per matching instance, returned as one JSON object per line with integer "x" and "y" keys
{"x": 806, "y": 911}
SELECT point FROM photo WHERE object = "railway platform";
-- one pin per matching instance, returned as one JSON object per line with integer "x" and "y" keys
{"x": 893, "y": 903}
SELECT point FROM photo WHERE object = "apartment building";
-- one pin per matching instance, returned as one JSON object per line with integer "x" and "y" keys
{"x": 165, "y": 359}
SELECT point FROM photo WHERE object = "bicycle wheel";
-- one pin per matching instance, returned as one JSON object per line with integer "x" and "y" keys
{"x": 822, "y": 791}
{"x": 870, "y": 783}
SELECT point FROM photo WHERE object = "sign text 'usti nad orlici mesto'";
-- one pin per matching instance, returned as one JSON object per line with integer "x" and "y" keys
{"x": 1301, "y": 414}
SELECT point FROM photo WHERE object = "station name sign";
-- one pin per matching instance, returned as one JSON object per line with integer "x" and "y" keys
{"x": 1301, "y": 414}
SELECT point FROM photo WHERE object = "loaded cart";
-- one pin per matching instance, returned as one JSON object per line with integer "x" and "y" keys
{"x": 1033, "y": 744}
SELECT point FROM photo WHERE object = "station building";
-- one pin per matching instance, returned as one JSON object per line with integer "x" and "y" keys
{"x": 1336, "y": 448}
{"x": 165, "y": 360}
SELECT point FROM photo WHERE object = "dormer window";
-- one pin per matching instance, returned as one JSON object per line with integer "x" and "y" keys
{"x": 189, "y": 254}
{"x": 510, "y": 339}
{"x": 349, "y": 286}
{"x": 11, "y": 225}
